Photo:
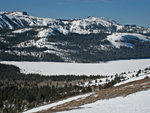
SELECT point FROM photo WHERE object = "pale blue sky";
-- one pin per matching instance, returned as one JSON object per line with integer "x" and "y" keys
{"x": 123, "y": 11}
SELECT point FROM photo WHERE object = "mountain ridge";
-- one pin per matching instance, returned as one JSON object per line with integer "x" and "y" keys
{"x": 16, "y": 20}
{"x": 93, "y": 39}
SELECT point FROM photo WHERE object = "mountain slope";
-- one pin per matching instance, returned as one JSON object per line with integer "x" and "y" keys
{"x": 28, "y": 38}
{"x": 134, "y": 103}
{"x": 124, "y": 39}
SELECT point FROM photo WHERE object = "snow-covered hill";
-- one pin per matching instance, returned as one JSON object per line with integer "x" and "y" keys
{"x": 124, "y": 39}
{"x": 134, "y": 103}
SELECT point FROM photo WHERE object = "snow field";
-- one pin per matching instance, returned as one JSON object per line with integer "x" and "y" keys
{"x": 107, "y": 68}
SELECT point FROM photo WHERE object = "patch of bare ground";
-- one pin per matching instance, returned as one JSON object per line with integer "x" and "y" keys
{"x": 122, "y": 90}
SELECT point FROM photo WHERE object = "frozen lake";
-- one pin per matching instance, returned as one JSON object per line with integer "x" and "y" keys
{"x": 107, "y": 68}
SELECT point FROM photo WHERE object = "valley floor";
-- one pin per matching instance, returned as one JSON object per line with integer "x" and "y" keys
{"x": 112, "y": 92}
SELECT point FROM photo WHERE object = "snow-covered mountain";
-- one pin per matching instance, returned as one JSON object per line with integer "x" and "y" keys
{"x": 15, "y": 20}
{"x": 92, "y": 39}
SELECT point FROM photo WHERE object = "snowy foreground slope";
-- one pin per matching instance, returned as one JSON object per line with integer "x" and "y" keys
{"x": 134, "y": 103}
{"x": 108, "y": 68}
{"x": 127, "y": 98}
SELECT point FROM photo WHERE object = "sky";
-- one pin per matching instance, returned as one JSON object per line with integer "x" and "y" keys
{"x": 123, "y": 11}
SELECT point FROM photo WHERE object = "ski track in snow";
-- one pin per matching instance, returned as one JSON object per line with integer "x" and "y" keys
{"x": 45, "y": 107}
{"x": 108, "y": 68}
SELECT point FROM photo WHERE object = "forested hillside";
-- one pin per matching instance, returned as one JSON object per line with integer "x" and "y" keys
{"x": 92, "y": 39}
